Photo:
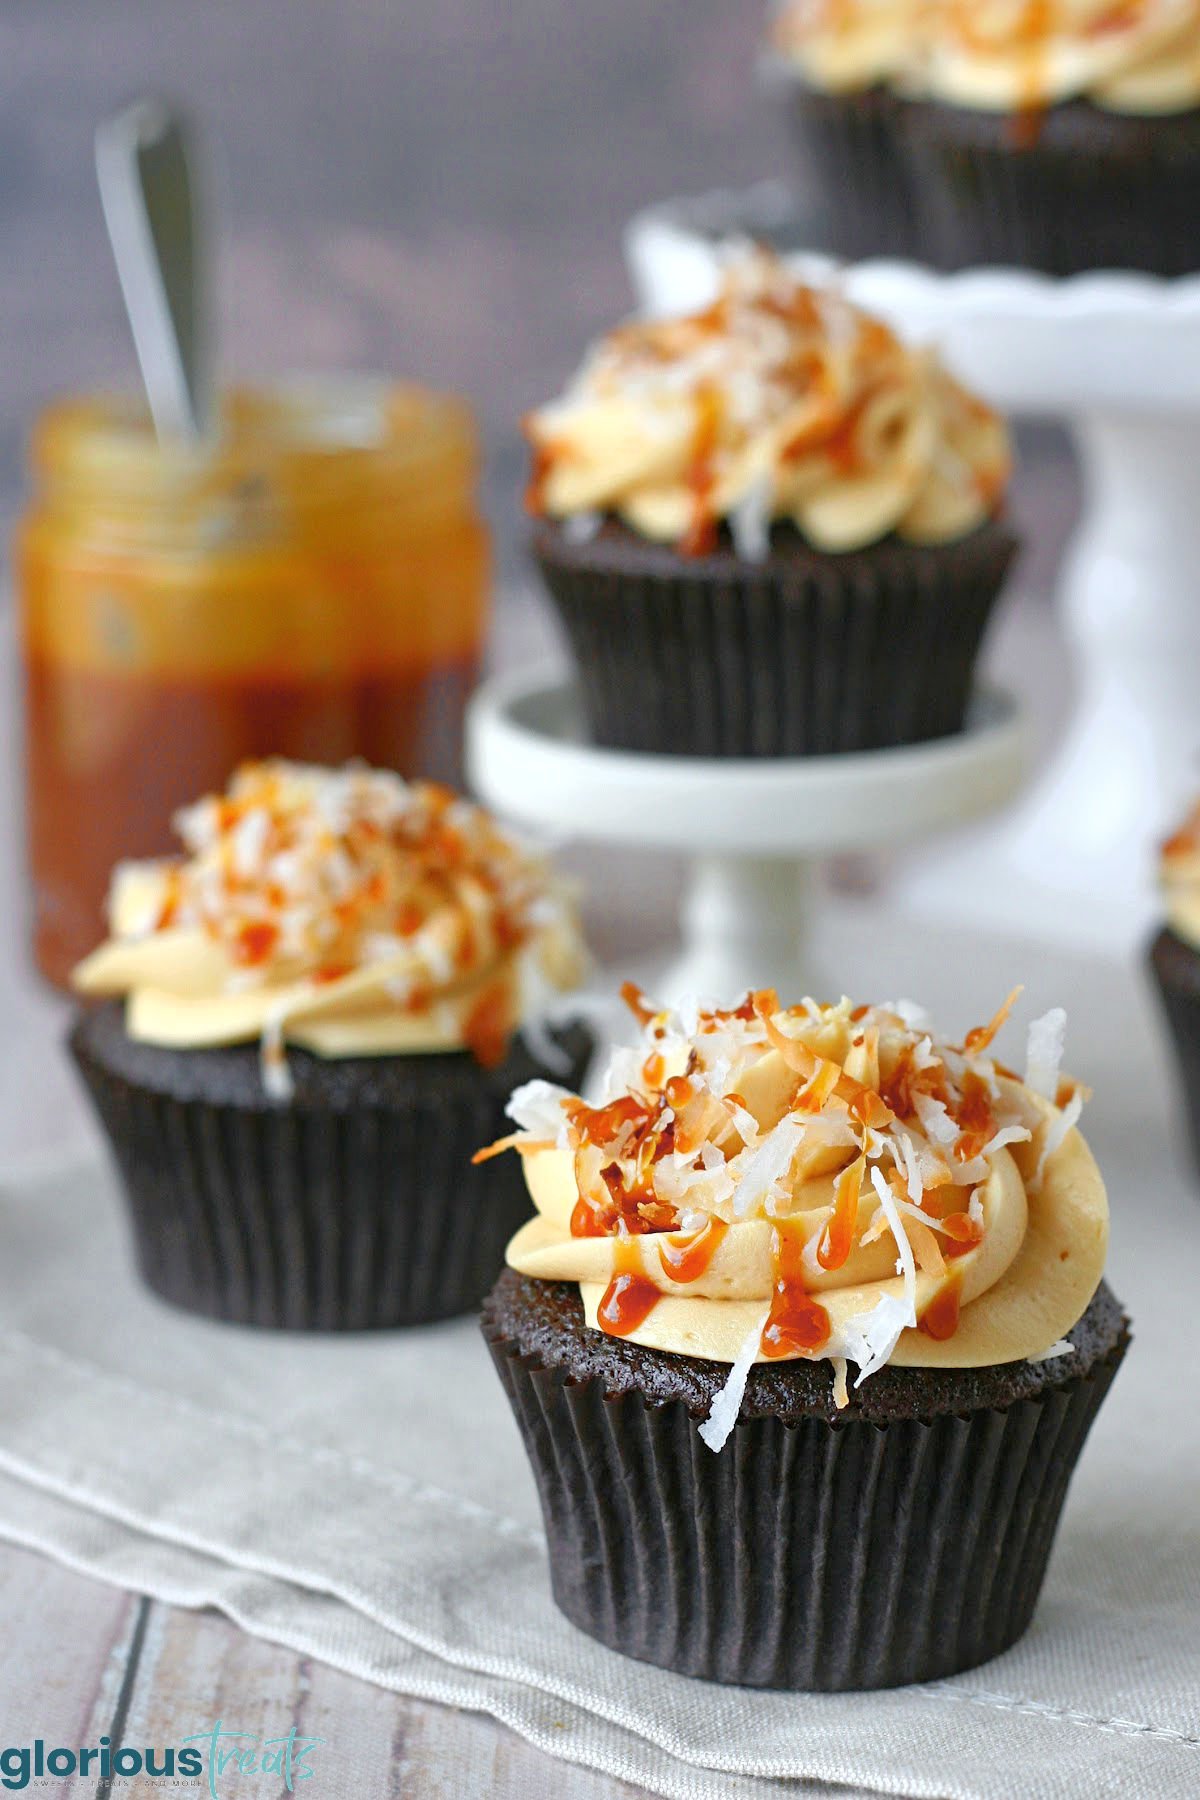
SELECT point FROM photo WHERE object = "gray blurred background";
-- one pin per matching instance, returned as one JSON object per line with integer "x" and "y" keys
{"x": 434, "y": 190}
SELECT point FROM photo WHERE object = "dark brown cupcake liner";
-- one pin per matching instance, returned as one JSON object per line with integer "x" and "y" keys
{"x": 1077, "y": 189}
{"x": 1175, "y": 966}
{"x": 800, "y": 655}
{"x": 352, "y": 1207}
{"x": 804, "y": 1555}
{"x": 851, "y": 167}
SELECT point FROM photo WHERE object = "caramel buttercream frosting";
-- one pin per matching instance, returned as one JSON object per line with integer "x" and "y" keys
{"x": 1133, "y": 56}
{"x": 847, "y": 46}
{"x": 778, "y": 403}
{"x": 1179, "y": 877}
{"x": 829, "y": 1182}
{"x": 343, "y": 910}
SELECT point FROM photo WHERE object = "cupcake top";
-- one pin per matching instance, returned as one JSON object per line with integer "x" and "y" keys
{"x": 1136, "y": 56}
{"x": 779, "y": 402}
{"x": 844, "y": 46}
{"x": 344, "y": 910}
{"x": 817, "y": 1181}
{"x": 1179, "y": 876}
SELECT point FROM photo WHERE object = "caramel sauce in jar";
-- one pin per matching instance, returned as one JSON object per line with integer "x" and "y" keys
{"x": 313, "y": 584}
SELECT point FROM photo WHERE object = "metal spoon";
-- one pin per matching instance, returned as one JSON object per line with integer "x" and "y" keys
{"x": 146, "y": 163}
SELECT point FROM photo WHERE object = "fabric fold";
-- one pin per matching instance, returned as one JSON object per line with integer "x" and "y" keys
{"x": 364, "y": 1501}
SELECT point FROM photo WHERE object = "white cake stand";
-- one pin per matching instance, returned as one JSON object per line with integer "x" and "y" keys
{"x": 755, "y": 830}
{"x": 1118, "y": 357}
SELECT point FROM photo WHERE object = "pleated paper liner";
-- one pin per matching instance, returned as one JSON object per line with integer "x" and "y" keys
{"x": 1175, "y": 966}
{"x": 851, "y": 165}
{"x": 1077, "y": 189}
{"x": 800, "y": 655}
{"x": 352, "y": 1207}
{"x": 804, "y": 1555}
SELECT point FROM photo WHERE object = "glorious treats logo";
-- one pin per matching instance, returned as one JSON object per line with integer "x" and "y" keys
{"x": 211, "y": 1759}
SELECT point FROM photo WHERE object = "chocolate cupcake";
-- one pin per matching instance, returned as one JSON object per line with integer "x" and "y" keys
{"x": 1174, "y": 957}
{"x": 1061, "y": 137}
{"x": 834, "y": 68}
{"x": 1063, "y": 142}
{"x": 769, "y": 528}
{"x": 310, "y": 1018}
{"x": 762, "y": 1199}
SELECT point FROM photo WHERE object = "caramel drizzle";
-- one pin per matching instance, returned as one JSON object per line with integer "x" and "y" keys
{"x": 797, "y": 1323}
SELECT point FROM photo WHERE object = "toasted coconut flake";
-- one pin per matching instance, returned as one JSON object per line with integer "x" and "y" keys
{"x": 1057, "y": 1127}
{"x": 277, "y": 1076}
{"x": 767, "y": 1165}
{"x": 935, "y": 1121}
{"x": 539, "y": 1107}
{"x": 869, "y": 1338}
{"x": 905, "y": 1265}
{"x": 979, "y": 1039}
{"x": 516, "y": 1140}
{"x": 1044, "y": 1052}
{"x": 723, "y": 1413}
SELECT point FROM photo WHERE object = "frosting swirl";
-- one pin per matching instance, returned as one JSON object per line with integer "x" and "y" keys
{"x": 1179, "y": 877}
{"x": 844, "y": 46}
{"x": 344, "y": 910}
{"x": 777, "y": 402}
{"x": 1133, "y": 56}
{"x": 817, "y": 1181}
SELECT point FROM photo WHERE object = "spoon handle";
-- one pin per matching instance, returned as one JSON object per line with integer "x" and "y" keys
{"x": 146, "y": 164}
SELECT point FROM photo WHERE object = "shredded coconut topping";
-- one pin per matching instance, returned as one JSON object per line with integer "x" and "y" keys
{"x": 303, "y": 876}
{"x": 1137, "y": 56}
{"x": 732, "y": 1116}
{"x": 779, "y": 401}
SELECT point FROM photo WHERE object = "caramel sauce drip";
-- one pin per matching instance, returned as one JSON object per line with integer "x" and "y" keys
{"x": 975, "y": 1117}
{"x": 962, "y": 1234}
{"x": 837, "y": 1239}
{"x": 797, "y": 1323}
{"x": 701, "y": 535}
{"x": 637, "y": 1002}
{"x": 897, "y": 1090}
{"x": 629, "y": 1298}
{"x": 601, "y": 1124}
{"x": 940, "y": 1318}
{"x": 679, "y": 1091}
{"x": 488, "y": 1026}
{"x": 686, "y": 1258}
{"x": 1185, "y": 841}
{"x": 254, "y": 943}
{"x": 586, "y": 1221}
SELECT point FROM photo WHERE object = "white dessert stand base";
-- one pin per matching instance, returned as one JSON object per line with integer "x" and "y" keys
{"x": 1117, "y": 356}
{"x": 755, "y": 830}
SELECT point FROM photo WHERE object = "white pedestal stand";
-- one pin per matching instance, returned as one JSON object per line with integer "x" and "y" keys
{"x": 756, "y": 831}
{"x": 1118, "y": 357}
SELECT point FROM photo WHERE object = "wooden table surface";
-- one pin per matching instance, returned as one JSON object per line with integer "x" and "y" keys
{"x": 79, "y": 1659}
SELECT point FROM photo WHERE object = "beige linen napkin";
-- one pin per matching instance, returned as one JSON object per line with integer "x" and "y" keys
{"x": 366, "y": 1500}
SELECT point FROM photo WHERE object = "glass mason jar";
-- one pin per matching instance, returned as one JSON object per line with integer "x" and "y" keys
{"x": 313, "y": 584}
